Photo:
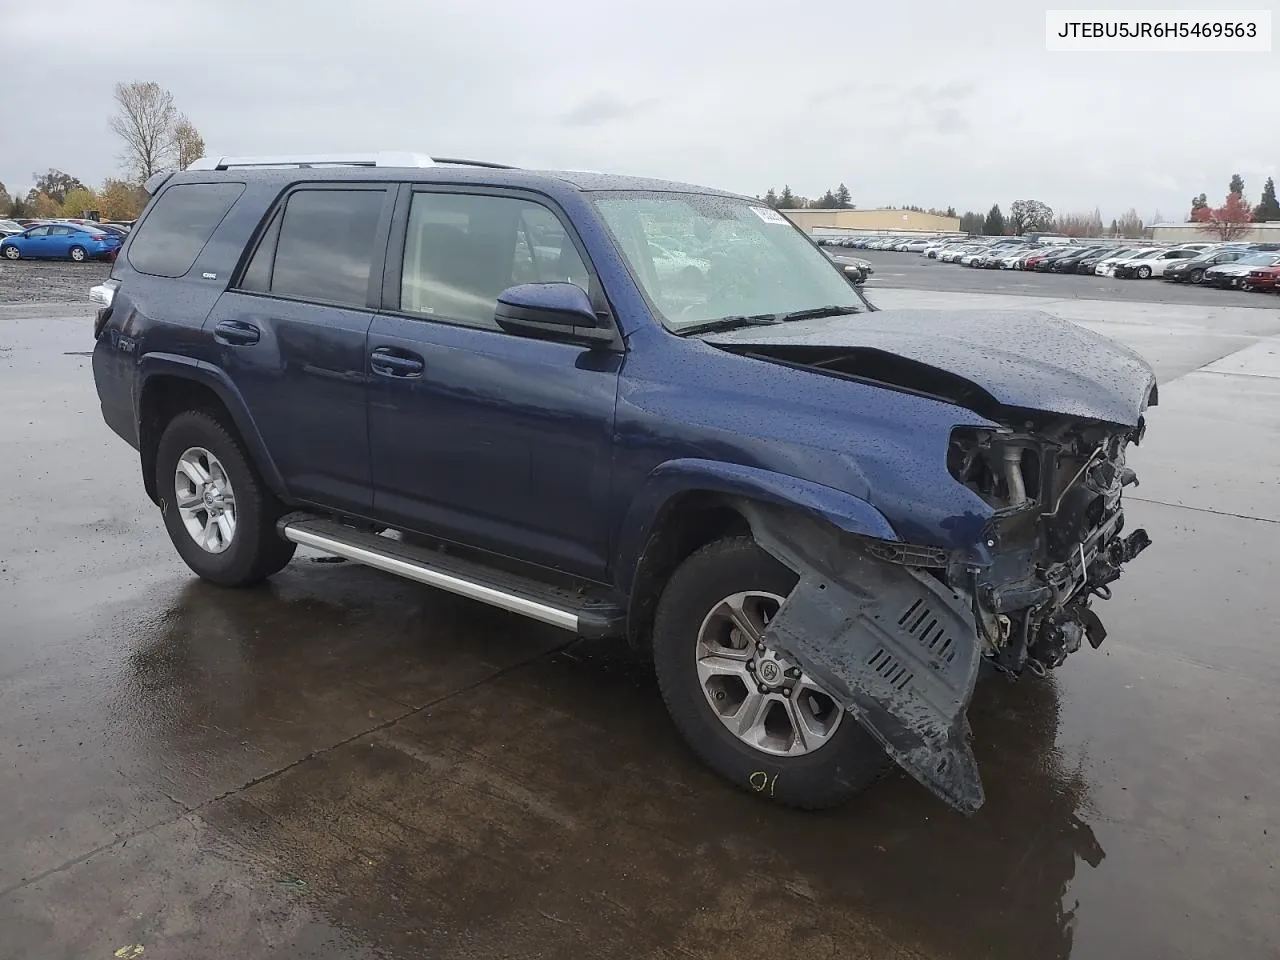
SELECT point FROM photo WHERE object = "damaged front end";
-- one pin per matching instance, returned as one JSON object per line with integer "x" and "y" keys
{"x": 897, "y": 632}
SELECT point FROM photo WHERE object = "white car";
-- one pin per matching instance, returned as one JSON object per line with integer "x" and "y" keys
{"x": 953, "y": 254}
{"x": 916, "y": 246}
{"x": 1107, "y": 267}
{"x": 1155, "y": 263}
{"x": 1013, "y": 259}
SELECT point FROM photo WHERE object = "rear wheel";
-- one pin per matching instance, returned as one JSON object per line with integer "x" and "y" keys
{"x": 78, "y": 254}
{"x": 220, "y": 515}
{"x": 748, "y": 712}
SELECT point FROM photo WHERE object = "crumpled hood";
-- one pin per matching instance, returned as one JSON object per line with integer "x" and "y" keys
{"x": 1020, "y": 358}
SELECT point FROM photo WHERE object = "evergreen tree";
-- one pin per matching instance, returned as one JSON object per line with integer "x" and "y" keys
{"x": 843, "y": 200}
{"x": 1269, "y": 208}
{"x": 993, "y": 226}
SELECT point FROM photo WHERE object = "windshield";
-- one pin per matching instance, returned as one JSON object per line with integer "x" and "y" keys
{"x": 701, "y": 258}
{"x": 1265, "y": 260}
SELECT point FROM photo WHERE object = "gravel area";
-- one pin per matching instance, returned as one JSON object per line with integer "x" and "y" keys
{"x": 49, "y": 281}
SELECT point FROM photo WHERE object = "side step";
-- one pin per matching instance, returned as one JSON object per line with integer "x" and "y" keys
{"x": 582, "y": 613}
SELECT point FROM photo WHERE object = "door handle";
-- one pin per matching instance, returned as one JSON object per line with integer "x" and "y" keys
{"x": 396, "y": 363}
{"x": 236, "y": 333}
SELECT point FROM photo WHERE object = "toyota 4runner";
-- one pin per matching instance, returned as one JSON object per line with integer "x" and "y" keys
{"x": 630, "y": 408}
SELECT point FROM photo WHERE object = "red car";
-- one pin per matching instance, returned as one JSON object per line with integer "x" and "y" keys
{"x": 1263, "y": 278}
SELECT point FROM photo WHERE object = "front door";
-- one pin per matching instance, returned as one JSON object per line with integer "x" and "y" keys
{"x": 292, "y": 335}
{"x": 493, "y": 440}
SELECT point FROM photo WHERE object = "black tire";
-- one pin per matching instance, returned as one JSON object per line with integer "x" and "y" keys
{"x": 12, "y": 252}
{"x": 256, "y": 550}
{"x": 83, "y": 254}
{"x": 1144, "y": 272}
{"x": 847, "y": 764}
{"x": 1196, "y": 276}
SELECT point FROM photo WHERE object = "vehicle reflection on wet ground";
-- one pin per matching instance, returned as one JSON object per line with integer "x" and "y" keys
{"x": 341, "y": 764}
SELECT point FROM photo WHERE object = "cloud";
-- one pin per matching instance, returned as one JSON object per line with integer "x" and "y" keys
{"x": 949, "y": 120}
{"x": 601, "y": 108}
{"x": 902, "y": 113}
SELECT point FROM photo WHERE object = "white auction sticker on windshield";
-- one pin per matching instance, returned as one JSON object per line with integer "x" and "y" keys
{"x": 769, "y": 216}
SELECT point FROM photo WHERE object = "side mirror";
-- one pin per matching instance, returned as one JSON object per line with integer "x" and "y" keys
{"x": 550, "y": 311}
{"x": 854, "y": 273}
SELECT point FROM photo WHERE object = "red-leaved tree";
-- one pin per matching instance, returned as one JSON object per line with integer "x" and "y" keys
{"x": 1228, "y": 222}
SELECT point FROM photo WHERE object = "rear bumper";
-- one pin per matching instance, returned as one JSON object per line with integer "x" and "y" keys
{"x": 112, "y": 376}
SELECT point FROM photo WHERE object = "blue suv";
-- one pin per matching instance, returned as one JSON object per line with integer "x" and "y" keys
{"x": 630, "y": 408}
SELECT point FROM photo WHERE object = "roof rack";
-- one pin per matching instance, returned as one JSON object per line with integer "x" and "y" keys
{"x": 386, "y": 158}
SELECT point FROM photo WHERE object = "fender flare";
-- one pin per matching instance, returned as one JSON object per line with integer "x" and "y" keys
{"x": 207, "y": 375}
{"x": 734, "y": 481}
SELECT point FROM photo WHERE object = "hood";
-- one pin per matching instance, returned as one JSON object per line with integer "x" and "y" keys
{"x": 982, "y": 360}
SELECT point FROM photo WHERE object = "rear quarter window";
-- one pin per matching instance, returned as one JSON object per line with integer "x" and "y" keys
{"x": 179, "y": 225}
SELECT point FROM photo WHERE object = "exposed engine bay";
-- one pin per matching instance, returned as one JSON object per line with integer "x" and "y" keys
{"x": 897, "y": 630}
{"x": 1056, "y": 540}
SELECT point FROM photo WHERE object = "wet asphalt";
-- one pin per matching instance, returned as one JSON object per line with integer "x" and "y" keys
{"x": 345, "y": 765}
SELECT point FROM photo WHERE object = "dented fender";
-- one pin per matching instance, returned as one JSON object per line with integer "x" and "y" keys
{"x": 895, "y": 646}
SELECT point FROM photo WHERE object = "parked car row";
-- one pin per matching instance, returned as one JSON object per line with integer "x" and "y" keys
{"x": 1238, "y": 265}
{"x": 77, "y": 240}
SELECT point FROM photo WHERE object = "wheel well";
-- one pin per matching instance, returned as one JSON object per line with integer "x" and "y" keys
{"x": 163, "y": 398}
{"x": 685, "y": 524}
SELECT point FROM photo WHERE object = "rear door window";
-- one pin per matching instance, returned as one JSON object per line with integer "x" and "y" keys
{"x": 179, "y": 225}
{"x": 322, "y": 246}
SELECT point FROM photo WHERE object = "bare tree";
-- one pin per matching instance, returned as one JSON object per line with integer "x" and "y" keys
{"x": 145, "y": 118}
{"x": 187, "y": 142}
{"x": 1129, "y": 225}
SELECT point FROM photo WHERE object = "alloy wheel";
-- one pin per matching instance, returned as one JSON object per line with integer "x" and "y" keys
{"x": 205, "y": 500}
{"x": 764, "y": 700}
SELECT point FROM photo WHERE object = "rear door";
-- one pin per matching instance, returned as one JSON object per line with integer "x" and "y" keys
{"x": 494, "y": 440}
{"x": 60, "y": 241}
{"x": 291, "y": 335}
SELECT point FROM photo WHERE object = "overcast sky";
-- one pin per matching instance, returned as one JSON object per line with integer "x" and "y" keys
{"x": 929, "y": 102}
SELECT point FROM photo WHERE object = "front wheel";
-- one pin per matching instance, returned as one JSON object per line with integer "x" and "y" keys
{"x": 219, "y": 514}
{"x": 78, "y": 254}
{"x": 1144, "y": 273}
{"x": 12, "y": 253}
{"x": 1196, "y": 276}
{"x": 748, "y": 712}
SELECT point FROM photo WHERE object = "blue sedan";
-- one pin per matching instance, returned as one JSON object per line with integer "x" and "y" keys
{"x": 62, "y": 241}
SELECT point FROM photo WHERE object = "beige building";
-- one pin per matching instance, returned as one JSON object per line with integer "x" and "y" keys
{"x": 872, "y": 221}
{"x": 1268, "y": 232}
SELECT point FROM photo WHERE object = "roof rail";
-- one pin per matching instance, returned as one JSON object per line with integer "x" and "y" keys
{"x": 474, "y": 163}
{"x": 386, "y": 158}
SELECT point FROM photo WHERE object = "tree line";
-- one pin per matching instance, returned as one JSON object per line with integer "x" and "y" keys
{"x": 155, "y": 136}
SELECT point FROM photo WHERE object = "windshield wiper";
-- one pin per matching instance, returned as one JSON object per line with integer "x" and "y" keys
{"x": 814, "y": 312}
{"x": 729, "y": 323}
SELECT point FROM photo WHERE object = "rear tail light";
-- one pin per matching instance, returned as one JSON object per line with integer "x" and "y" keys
{"x": 104, "y": 293}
